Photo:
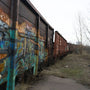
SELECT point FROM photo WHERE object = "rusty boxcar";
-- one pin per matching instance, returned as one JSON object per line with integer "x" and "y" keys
{"x": 70, "y": 47}
{"x": 26, "y": 40}
{"x": 60, "y": 45}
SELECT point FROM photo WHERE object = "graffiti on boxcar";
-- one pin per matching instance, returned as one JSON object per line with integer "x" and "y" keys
{"x": 26, "y": 42}
{"x": 4, "y": 45}
{"x": 27, "y": 48}
{"x": 41, "y": 51}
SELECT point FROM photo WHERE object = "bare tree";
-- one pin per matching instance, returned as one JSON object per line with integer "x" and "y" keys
{"x": 82, "y": 32}
{"x": 79, "y": 32}
{"x": 86, "y": 30}
{"x": 87, "y": 37}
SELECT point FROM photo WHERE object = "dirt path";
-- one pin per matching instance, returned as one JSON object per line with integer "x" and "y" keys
{"x": 56, "y": 83}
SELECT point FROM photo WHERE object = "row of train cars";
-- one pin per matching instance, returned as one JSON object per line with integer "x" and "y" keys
{"x": 26, "y": 41}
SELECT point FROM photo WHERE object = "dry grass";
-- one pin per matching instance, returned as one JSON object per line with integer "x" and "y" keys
{"x": 73, "y": 66}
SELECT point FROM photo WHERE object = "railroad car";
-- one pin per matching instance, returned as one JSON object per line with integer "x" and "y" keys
{"x": 71, "y": 47}
{"x": 26, "y": 40}
{"x": 60, "y": 45}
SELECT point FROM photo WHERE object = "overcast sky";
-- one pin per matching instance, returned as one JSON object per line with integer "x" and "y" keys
{"x": 62, "y": 14}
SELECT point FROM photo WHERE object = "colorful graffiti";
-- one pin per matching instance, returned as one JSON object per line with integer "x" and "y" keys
{"x": 25, "y": 47}
{"x": 4, "y": 45}
{"x": 29, "y": 48}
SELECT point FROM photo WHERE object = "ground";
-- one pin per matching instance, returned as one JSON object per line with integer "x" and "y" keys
{"x": 70, "y": 73}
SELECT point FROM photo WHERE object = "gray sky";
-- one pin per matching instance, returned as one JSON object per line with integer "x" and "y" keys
{"x": 62, "y": 14}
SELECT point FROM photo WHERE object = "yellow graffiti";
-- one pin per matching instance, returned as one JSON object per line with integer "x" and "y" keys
{"x": 20, "y": 50}
{"x": 2, "y": 66}
{"x": 2, "y": 56}
{"x": 21, "y": 28}
{"x": 18, "y": 45}
{"x": 46, "y": 58}
{"x": 35, "y": 43}
{"x": 36, "y": 52}
{"x": 4, "y": 17}
{"x": 34, "y": 30}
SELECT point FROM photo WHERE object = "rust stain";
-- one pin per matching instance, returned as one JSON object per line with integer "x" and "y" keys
{"x": 4, "y": 17}
{"x": 2, "y": 56}
{"x": 2, "y": 66}
{"x": 21, "y": 27}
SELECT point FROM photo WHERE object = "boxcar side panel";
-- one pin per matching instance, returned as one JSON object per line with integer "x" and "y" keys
{"x": 42, "y": 42}
{"x": 57, "y": 47}
{"x": 24, "y": 44}
{"x": 60, "y": 46}
{"x": 27, "y": 45}
{"x": 50, "y": 45}
{"x": 26, "y": 40}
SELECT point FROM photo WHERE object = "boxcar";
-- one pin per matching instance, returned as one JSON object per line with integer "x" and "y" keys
{"x": 26, "y": 40}
{"x": 70, "y": 47}
{"x": 60, "y": 45}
